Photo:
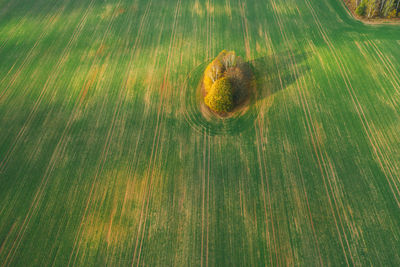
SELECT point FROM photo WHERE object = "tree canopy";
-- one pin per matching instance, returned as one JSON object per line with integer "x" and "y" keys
{"x": 224, "y": 82}
{"x": 220, "y": 98}
{"x": 377, "y": 8}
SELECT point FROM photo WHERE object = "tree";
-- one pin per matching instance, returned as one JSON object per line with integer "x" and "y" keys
{"x": 360, "y": 10}
{"x": 381, "y": 8}
{"x": 214, "y": 71}
{"x": 240, "y": 77}
{"x": 220, "y": 97}
{"x": 227, "y": 81}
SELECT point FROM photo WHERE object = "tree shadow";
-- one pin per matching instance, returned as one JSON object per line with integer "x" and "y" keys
{"x": 276, "y": 72}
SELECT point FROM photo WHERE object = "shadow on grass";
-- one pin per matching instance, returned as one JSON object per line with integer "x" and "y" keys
{"x": 276, "y": 72}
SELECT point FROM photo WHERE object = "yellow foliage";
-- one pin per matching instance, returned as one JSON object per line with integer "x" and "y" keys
{"x": 224, "y": 81}
{"x": 214, "y": 71}
{"x": 392, "y": 14}
{"x": 220, "y": 98}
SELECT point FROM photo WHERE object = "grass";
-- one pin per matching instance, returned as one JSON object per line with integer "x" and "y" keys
{"x": 104, "y": 160}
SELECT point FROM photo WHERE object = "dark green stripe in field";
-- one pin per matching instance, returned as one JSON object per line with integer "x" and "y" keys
{"x": 105, "y": 160}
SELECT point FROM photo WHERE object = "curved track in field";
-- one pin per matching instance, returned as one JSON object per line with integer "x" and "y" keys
{"x": 106, "y": 158}
{"x": 191, "y": 107}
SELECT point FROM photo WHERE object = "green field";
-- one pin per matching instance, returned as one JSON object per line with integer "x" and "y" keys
{"x": 105, "y": 158}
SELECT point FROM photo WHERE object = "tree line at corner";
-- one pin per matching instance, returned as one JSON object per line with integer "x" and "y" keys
{"x": 377, "y": 8}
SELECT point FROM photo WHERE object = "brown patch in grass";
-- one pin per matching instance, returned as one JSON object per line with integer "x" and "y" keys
{"x": 210, "y": 8}
{"x": 101, "y": 50}
{"x": 197, "y": 9}
{"x": 110, "y": 12}
{"x": 89, "y": 82}
{"x": 320, "y": 133}
{"x": 120, "y": 11}
{"x": 228, "y": 9}
{"x": 94, "y": 73}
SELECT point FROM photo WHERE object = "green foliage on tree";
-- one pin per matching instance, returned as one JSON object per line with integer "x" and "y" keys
{"x": 360, "y": 10}
{"x": 216, "y": 69}
{"x": 226, "y": 82}
{"x": 220, "y": 97}
{"x": 377, "y": 8}
{"x": 392, "y": 14}
{"x": 213, "y": 72}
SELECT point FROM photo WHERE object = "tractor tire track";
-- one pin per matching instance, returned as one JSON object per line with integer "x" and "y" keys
{"x": 50, "y": 81}
{"x": 154, "y": 152}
